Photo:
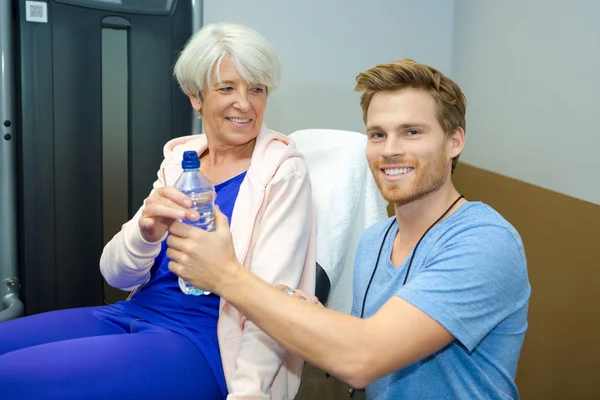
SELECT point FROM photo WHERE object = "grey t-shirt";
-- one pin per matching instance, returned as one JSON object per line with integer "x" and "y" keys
{"x": 470, "y": 274}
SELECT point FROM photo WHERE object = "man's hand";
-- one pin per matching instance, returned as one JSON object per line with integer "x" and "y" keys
{"x": 204, "y": 259}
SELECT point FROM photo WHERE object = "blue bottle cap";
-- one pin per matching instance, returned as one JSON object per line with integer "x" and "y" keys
{"x": 190, "y": 160}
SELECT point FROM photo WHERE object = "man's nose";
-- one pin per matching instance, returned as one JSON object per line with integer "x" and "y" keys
{"x": 394, "y": 148}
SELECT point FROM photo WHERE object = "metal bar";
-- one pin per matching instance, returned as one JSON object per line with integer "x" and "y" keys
{"x": 10, "y": 305}
{"x": 197, "y": 22}
{"x": 115, "y": 129}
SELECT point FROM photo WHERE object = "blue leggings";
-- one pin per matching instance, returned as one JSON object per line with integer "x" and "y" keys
{"x": 99, "y": 353}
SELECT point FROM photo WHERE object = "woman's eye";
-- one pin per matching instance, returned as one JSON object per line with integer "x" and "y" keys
{"x": 257, "y": 90}
{"x": 412, "y": 132}
{"x": 227, "y": 89}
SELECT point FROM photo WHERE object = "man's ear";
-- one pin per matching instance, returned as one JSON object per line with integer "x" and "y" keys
{"x": 457, "y": 139}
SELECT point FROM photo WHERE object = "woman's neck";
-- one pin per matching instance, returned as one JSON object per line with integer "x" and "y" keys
{"x": 220, "y": 163}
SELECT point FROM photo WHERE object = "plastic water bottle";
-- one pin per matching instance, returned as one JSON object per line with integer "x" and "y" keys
{"x": 198, "y": 188}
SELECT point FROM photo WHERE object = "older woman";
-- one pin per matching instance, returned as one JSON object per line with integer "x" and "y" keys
{"x": 162, "y": 343}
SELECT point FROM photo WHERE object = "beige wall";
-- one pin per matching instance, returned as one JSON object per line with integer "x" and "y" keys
{"x": 561, "y": 234}
{"x": 525, "y": 67}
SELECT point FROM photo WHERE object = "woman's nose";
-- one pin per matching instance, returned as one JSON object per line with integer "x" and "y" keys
{"x": 241, "y": 102}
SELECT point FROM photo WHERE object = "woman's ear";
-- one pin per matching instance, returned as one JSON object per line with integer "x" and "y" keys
{"x": 196, "y": 104}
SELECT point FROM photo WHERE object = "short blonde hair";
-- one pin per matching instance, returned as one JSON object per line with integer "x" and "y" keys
{"x": 253, "y": 56}
{"x": 450, "y": 101}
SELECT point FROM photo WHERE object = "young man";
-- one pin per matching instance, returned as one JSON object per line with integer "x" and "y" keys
{"x": 441, "y": 290}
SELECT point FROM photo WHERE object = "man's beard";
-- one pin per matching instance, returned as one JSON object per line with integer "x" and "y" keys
{"x": 427, "y": 179}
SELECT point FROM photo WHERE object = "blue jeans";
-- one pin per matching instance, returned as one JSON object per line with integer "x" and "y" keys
{"x": 99, "y": 353}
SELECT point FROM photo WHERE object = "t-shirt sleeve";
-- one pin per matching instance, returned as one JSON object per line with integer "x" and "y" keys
{"x": 471, "y": 283}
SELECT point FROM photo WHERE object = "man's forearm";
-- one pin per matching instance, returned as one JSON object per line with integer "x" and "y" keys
{"x": 331, "y": 340}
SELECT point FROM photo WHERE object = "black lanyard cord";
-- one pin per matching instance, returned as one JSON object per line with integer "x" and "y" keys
{"x": 362, "y": 313}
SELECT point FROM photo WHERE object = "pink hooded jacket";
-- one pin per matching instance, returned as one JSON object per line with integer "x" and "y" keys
{"x": 273, "y": 230}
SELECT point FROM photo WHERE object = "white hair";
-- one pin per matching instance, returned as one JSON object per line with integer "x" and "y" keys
{"x": 253, "y": 56}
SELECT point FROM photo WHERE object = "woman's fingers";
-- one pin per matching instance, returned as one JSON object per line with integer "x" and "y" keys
{"x": 286, "y": 289}
{"x": 174, "y": 195}
{"x": 158, "y": 214}
{"x": 155, "y": 211}
{"x": 312, "y": 299}
{"x": 163, "y": 207}
{"x": 297, "y": 293}
{"x": 159, "y": 206}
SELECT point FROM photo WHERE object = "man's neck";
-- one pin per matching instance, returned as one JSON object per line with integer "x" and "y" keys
{"x": 416, "y": 217}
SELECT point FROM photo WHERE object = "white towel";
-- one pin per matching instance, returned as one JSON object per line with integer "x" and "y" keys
{"x": 346, "y": 199}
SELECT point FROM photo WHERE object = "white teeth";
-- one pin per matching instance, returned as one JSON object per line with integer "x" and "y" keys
{"x": 239, "y": 120}
{"x": 397, "y": 171}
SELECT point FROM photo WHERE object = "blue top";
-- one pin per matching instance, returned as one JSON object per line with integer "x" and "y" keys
{"x": 469, "y": 274}
{"x": 162, "y": 302}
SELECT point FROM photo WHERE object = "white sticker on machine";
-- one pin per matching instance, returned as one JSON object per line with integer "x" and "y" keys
{"x": 36, "y": 11}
